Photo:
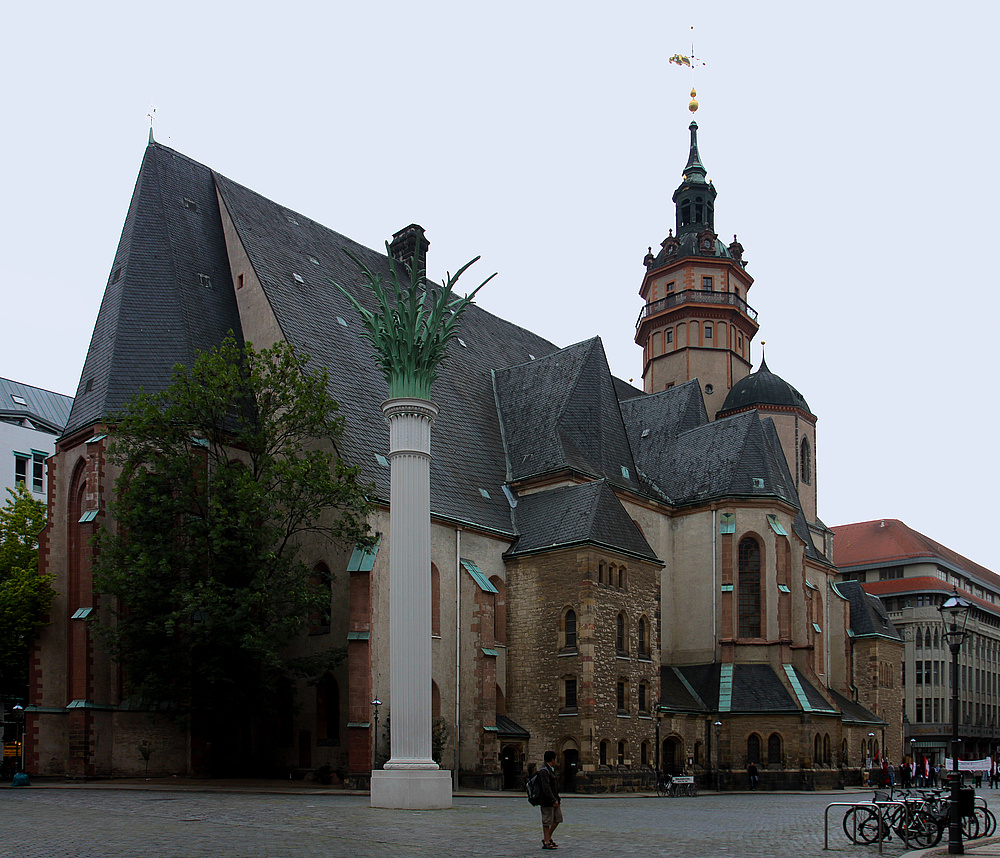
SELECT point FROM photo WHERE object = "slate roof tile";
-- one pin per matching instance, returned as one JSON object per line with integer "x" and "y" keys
{"x": 589, "y": 513}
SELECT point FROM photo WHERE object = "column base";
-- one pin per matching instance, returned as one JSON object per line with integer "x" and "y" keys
{"x": 411, "y": 789}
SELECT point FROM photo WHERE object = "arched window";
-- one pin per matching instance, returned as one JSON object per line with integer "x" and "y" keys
{"x": 753, "y": 749}
{"x": 643, "y": 697}
{"x": 569, "y": 629}
{"x": 604, "y": 752}
{"x": 644, "y": 754}
{"x": 621, "y": 634}
{"x": 805, "y": 461}
{"x": 749, "y": 592}
{"x": 827, "y": 755}
{"x": 817, "y": 749}
{"x": 699, "y": 754}
{"x": 774, "y": 750}
{"x": 602, "y": 574}
{"x": 643, "y": 630}
{"x": 621, "y": 753}
{"x": 435, "y": 602}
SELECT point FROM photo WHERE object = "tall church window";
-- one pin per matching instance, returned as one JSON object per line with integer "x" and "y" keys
{"x": 805, "y": 462}
{"x": 753, "y": 748}
{"x": 621, "y": 634}
{"x": 569, "y": 626}
{"x": 643, "y": 630}
{"x": 774, "y": 750}
{"x": 749, "y": 588}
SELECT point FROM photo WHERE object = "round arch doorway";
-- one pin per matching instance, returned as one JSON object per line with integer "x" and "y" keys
{"x": 570, "y": 766}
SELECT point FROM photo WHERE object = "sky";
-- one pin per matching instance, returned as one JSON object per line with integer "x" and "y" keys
{"x": 853, "y": 147}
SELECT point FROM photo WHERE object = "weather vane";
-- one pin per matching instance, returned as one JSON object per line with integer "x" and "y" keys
{"x": 691, "y": 61}
{"x": 152, "y": 116}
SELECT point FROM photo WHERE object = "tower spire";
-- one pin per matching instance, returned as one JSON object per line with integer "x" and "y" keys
{"x": 694, "y": 170}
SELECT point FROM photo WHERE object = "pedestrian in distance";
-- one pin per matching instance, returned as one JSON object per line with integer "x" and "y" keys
{"x": 752, "y": 775}
{"x": 550, "y": 802}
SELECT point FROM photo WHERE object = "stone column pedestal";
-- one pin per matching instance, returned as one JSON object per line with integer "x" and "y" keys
{"x": 411, "y": 778}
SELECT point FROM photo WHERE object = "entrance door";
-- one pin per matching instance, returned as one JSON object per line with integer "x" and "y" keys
{"x": 571, "y": 764}
{"x": 510, "y": 765}
{"x": 669, "y": 759}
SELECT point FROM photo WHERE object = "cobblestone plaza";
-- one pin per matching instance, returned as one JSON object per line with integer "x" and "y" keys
{"x": 100, "y": 821}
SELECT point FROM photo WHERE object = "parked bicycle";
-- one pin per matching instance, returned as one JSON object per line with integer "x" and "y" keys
{"x": 676, "y": 786}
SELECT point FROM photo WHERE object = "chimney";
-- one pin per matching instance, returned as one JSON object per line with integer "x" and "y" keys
{"x": 409, "y": 246}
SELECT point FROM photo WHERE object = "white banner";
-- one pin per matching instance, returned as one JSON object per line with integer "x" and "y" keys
{"x": 968, "y": 765}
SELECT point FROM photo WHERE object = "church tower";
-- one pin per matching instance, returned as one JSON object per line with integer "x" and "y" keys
{"x": 696, "y": 322}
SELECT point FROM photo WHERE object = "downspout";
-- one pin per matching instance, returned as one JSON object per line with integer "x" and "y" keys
{"x": 458, "y": 652}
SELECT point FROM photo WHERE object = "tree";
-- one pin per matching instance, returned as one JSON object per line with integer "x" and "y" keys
{"x": 25, "y": 595}
{"x": 223, "y": 475}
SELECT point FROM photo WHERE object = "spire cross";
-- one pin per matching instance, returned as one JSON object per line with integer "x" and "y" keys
{"x": 691, "y": 62}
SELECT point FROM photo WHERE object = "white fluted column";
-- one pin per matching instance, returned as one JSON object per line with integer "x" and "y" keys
{"x": 411, "y": 778}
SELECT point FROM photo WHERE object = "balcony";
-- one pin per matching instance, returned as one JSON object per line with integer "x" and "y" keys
{"x": 696, "y": 296}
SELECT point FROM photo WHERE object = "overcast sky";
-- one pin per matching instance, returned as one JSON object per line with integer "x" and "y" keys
{"x": 853, "y": 146}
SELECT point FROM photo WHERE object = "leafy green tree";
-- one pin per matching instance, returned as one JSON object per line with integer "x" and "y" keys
{"x": 25, "y": 595}
{"x": 223, "y": 475}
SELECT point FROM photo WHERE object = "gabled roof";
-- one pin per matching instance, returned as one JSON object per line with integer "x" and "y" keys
{"x": 853, "y": 713}
{"x": 586, "y": 514}
{"x": 38, "y": 409}
{"x": 170, "y": 293}
{"x": 868, "y": 615}
{"x": 748, "y": 687}
{"x": 561, "y": 412}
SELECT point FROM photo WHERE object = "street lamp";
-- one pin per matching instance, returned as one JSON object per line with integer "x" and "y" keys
{"x": 913, "y": 761}
{"x": 718, "y": 757}
{"x": 22, "y": 732}
{"x": 955, "y": 616}
{"x": 375, "y": 705}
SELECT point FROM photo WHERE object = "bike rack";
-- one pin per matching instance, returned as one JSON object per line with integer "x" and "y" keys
{"x": 879, "y": 810}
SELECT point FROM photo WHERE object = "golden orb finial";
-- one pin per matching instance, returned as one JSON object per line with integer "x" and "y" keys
{"x": 693, "y": 104}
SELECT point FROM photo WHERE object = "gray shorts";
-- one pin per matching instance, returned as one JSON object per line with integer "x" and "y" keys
{"x": 551, "y": 816}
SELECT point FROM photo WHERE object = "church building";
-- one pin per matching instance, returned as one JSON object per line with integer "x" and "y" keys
{"x": 635, "y": 578}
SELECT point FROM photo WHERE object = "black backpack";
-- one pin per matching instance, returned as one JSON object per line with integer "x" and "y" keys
{"x": 533, "y": 787}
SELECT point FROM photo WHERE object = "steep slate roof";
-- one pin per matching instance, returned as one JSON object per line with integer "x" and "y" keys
{"x": 868, "y": 614}
{"x": 561, "y": 411}
{"x": 316, "y": 318}
{"x": 719, "y": 459}
{"x": 574, "y": 515}
{"x": 755, "y": 687}
{"x": 853, "y": 712}
{"x": 170, "y": 293}
{"x": 42, "y": 409}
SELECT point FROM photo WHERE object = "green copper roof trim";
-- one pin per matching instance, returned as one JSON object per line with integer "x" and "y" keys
{"x": 726, "y": 688}
{"x": 478, "y": 576}
{"x": 358, "y": 636}
{"x": 489, "y": 729}
{"x": 784, "y": 588}
{"x": 727, "y": 524}
{"x": 362, "y": 724}
{"x": 95, "y": 439}
{"x": 726, "y": 588}
{"x": 776, "y": 525}
{"x": 89, "y": 515}
{"x": 817, "y": 628}
{"x": 363, "y": 559}
{"x": 810, "y": 585}
{"x": 488, "y": 651}
{"x": 800, "y": 693}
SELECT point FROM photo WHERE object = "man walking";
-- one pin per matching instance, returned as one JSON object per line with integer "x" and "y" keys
{"x": 550, "y": 804}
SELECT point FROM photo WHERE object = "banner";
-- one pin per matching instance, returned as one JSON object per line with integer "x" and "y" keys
{"x": 968, "y": 765}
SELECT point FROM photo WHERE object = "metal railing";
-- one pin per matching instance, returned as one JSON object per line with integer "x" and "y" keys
{"x": 695, "y": 296}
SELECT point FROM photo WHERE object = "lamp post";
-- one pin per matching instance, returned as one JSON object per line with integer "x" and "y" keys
{"x": 913, "y": 761}
{"x": 659, "y": 717}
{"x": 375, "y": 705}
{"x": 955, "y": 616}
{"x": 718, "y": 756}
{"x": 21, "y": 732}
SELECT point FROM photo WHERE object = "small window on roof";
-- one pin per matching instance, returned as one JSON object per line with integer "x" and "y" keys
{"x": 291, "y": 220}
{"x": 190, "y": 204}
{"x": 461, "y": 342}
{"x": 298, "y": 278}
{"x": 205, "y": 281}
{"x": 314, "y": 260}
{"x": 116, "y": 275}
{"x": 341, "y": 321}
{"x": 18, "y": 400}
{"x": 89, "y": 386}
